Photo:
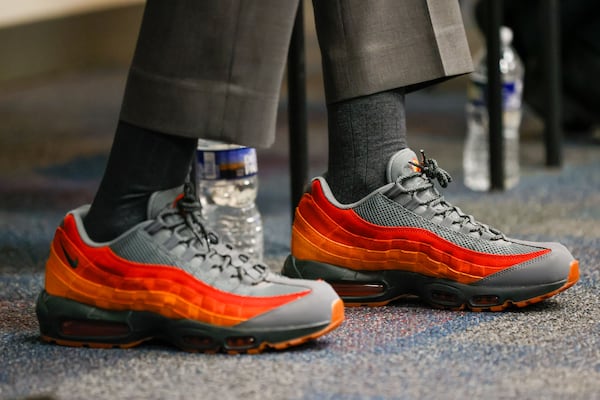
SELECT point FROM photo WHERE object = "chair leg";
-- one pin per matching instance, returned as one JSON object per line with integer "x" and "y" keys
{"x": 297, "y": 122}
{"x": 550, "y": 28}
{"x": 494, "y": 93}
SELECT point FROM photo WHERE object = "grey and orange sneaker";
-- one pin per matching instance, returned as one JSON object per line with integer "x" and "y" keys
{"x": 404, "y": 238}
{"x": 168, "y": 278}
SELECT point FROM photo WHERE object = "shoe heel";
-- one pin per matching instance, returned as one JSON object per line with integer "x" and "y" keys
{"x": 67, "y": 322}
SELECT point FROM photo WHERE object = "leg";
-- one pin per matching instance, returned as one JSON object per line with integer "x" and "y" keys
{"x": 200, "y": 69}
{"x": 402, "y": 237}
{"x": 142, "y": 161}
{"x": 364, "y": 132}
{"x": 365, "y": 85}
{"x": 217, "y": 75}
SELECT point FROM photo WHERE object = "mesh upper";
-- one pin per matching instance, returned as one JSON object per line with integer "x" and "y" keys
{"x": 380, "y": 210}
{"x": 144, "y": 247}
{"x": 138, "y": 248}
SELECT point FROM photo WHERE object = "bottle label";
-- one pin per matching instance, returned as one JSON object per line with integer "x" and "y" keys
{"x": 227, "y": 164}
{"x": 511, "y": 94}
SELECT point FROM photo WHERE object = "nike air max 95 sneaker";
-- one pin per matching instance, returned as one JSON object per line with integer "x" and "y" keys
{"x": 168, "y": 278}
{"x": 404, "y": 238}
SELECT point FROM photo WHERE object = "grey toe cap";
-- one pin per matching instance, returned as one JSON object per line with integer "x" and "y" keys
{"x": 554, "y": 266}
{"x": 309, "y": 310}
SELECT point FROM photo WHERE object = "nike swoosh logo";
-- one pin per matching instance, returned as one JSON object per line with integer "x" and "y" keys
{"x": 72, "y": 262}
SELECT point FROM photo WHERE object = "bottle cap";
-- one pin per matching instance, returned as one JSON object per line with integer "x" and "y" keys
{"x": 506, "y": 35}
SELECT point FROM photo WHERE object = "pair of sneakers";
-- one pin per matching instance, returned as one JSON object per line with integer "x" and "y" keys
{"x": 169, "y": 278}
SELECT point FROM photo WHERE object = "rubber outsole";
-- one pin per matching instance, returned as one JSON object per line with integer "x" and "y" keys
{"x": 378, "y": 288}
{"x": 70, "y": 323}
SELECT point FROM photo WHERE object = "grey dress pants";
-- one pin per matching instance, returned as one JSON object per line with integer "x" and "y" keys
{"x": 213, "y": 68}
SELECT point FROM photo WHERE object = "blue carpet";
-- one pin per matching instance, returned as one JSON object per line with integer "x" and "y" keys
{"x": 402, "y": 351}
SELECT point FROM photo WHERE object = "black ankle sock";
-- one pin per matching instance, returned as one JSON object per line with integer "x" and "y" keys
{"x": 364, "y": 133}
{"x": 141, "y": 162}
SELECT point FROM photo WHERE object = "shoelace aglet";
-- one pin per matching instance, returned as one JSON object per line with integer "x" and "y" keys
{"x": 429, "y": 168}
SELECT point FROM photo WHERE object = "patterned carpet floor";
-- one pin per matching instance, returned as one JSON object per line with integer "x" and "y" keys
{"x": 55, "y": 136}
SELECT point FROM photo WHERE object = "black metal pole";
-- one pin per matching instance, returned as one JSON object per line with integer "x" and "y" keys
{"x": 494, "y": 95}
{"x": 298, "y": 142}
{"x": 550, "y": 28}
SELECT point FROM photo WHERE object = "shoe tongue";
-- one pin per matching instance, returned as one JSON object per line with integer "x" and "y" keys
{"x": 162, "y": 199}
{"x": 399, "y": 164}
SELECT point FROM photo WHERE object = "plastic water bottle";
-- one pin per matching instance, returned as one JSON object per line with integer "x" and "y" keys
{"x": 227, "y": 187}
{"x": 476, "y": 152}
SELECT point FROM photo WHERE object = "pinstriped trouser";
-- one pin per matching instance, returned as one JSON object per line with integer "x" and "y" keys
{"x": 213, "y": 68}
